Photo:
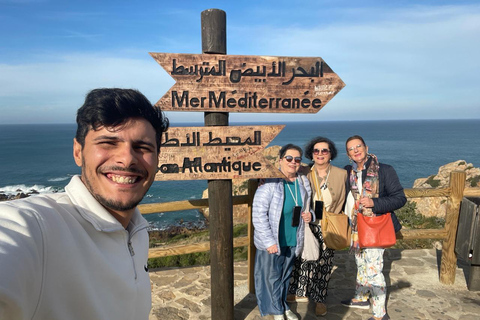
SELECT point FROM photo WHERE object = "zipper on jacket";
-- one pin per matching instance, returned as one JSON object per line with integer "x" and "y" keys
{"x": 130, "y": 248}
{"x": 132, "y": 252}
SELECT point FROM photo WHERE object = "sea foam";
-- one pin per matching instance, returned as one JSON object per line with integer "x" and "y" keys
{"x": 21, "y": 188}
{"x": 60, "y": 179}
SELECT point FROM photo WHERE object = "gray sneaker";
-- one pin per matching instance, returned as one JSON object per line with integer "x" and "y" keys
{"x": 356, "y": 304}
{"x": 385, "y": 317}
{"x": 290, "y": 315}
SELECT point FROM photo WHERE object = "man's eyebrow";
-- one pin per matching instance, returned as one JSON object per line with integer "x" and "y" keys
{"x": 115, "y": 138}
{"x": 106, "y": 137}
{"x": 144, "y": 143}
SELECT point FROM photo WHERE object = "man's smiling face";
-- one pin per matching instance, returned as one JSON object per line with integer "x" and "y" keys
{"x": 118, "y": 164}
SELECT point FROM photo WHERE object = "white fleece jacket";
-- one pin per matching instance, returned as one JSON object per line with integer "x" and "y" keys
{"x": 64, "y": 257}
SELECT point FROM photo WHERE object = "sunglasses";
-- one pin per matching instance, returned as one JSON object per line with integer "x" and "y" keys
{"x": 324, "y": 151}
{"x": 358, "y": 146}
{"x": 290, "y": 158}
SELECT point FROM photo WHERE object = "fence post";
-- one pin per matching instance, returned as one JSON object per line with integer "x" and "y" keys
{"x": 449, "y": 258}
{"x": 252, "y": 188}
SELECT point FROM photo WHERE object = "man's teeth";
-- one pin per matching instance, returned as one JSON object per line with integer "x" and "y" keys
{"x": 124, "y": 180}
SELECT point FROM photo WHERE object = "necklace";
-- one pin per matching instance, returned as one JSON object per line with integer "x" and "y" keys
{"x": 295, "y": 197}
{"x": 324, "y": 185}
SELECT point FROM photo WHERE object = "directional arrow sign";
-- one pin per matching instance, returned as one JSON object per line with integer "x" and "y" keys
{"x": 211, "y": 153}
{"x": 228, "y": 83}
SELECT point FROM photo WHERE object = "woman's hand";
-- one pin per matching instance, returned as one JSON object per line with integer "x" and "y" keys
{"x": 306, "y": 216}
{"x": 366, "y": 202}
{"x": 272, "y": 249}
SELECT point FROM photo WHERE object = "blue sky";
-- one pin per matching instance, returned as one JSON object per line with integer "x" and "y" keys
{"x": 399, "y": 59}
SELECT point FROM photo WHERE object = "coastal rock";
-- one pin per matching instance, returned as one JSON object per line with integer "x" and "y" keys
{"x": 240, "y": 187}
{"x": 19, "y": 195}
{"x": 436, "y": 207}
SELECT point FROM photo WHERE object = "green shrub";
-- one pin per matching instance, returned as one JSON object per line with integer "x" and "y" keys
{"x": 199, "y": 258}
{"x": 408, "y": 215}
{"x": 240, "y": 230}
{"x": 184, "y": 260}
{"x": 411, "y": 219}
{"x": 474, "y": 181}
{"x": 194, "y": 236}
{"x": 240, "y": 254}
{"x": 192, "y": 259}
{"x": 433, "y": 182}
{"x": 415, "y": 244}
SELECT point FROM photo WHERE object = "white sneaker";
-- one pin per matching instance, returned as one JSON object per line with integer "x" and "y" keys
{"x": 278, "y": 317}
{"x": 290, "y": 315}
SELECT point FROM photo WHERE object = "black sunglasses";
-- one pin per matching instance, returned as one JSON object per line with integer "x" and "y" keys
{"x": 290, "y": 158}
{"x": 324, "y": 151}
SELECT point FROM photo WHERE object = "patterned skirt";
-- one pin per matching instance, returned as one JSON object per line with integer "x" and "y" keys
{"x": 310, "y": 278}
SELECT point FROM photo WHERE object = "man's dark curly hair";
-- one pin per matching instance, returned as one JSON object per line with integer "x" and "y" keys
{"x": 112, "y": 107}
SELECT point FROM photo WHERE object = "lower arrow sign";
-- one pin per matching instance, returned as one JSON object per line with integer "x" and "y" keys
{"x": 214, "y": 153}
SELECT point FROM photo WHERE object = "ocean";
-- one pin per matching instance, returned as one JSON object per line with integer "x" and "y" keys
{"x": 39, "y": 158}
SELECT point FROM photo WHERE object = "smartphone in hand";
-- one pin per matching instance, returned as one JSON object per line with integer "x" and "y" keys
{"x": 297, "y": 212}
{"x": 319, "y": 210}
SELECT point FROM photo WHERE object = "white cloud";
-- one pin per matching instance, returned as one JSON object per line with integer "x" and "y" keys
{"x": 406, "y": 58}
{"x": 55, "y": 87}
{"x": 415, "y": 62}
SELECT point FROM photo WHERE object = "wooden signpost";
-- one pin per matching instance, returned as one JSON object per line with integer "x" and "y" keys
{"x": 211, "y": 153}
{"x": 229, "y": 83}
{"x": 216, "y": 84}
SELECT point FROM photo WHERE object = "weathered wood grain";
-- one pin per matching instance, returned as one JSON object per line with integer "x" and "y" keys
{"x": 230, "y": 83}
{"x": 449, "y": 258}
{"x": 190, "y": 248}
{"x": 214, "y": 153}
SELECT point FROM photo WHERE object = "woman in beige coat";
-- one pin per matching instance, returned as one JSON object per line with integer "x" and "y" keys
{"x": 310, "y": 278}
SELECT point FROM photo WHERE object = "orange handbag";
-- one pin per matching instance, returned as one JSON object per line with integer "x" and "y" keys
{"x": 376, "y": 231}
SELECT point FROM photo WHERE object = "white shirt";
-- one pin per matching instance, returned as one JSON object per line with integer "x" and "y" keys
{"x": 63, "y": 256}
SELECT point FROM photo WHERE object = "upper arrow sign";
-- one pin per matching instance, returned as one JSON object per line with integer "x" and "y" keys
{"x": 228, "y": 83}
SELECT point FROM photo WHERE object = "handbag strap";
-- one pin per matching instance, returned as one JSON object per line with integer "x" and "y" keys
{"x": 318, "y": 190}
{"x": 307, "y": 205}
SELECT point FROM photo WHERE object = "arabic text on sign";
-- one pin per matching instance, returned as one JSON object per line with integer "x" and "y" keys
{"x": 195, "y": 140}
{"x": 235, "y": 76}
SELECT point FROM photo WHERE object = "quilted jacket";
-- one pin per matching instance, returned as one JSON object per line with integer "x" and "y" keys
{"x": 267, "y": 211}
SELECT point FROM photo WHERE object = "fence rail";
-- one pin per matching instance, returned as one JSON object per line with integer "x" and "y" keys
{"x": 454, "y": 194}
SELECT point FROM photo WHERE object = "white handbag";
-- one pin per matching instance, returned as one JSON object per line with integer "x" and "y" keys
{"x": 311, "y": 246}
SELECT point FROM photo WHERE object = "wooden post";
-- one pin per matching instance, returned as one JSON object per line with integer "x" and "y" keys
{"x": 252, "y": 188}
{"x": 214, "y": 31}
{"x": 449, "y": 258}
{"x": 219, "y": 191}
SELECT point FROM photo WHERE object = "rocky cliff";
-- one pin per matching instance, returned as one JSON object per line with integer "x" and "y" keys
{"x": 437, "y": 206}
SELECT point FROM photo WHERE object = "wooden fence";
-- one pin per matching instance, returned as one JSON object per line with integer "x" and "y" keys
{"x": 454, "y": 194}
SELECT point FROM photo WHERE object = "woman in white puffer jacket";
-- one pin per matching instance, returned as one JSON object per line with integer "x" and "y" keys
{"x": 279, "y": 233}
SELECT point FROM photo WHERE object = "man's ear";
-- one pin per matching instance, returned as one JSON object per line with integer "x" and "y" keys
{"x": 77, "y": 152}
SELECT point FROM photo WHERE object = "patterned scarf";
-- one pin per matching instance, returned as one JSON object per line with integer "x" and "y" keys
{"x": 369, "y": 189}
